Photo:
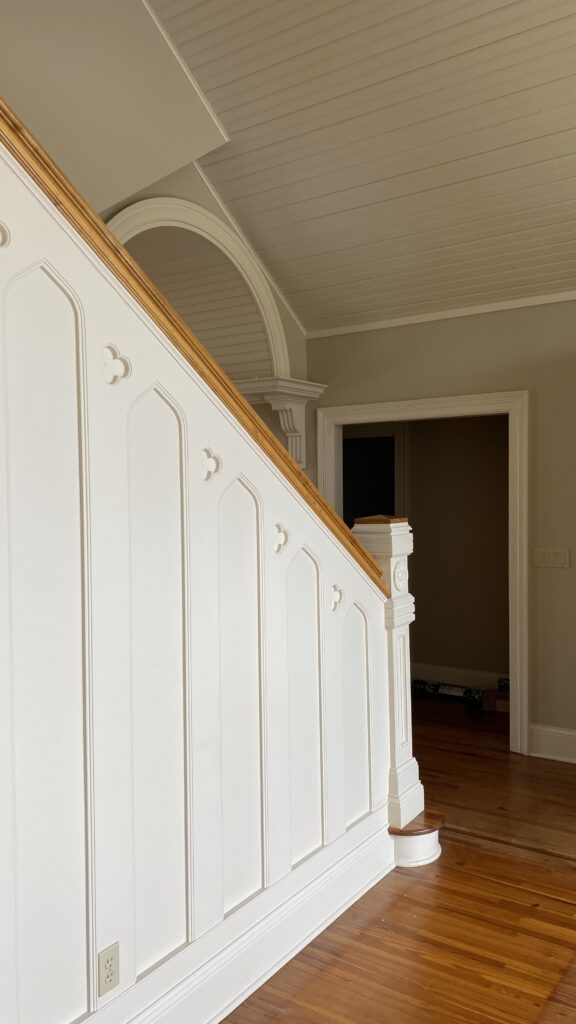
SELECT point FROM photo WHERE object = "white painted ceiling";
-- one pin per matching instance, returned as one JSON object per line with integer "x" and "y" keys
{"x": 393, "y": 158}
{"x": 210, "y": 295}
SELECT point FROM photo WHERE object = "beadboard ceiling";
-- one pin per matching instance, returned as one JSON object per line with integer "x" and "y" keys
{"x": 391, "y": 159}
{"x": 210, "y": 295}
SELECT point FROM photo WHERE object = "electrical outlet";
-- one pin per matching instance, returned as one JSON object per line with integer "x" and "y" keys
{"x": 108, "y": 969}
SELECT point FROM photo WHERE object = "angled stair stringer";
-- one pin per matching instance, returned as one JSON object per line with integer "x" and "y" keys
{"x": 198, "y": 757}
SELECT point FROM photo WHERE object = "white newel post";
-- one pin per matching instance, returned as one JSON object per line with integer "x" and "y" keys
{"x": 389, "y": 540}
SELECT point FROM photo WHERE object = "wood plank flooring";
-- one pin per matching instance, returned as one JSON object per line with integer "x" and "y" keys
{"x": 487, "y": 934}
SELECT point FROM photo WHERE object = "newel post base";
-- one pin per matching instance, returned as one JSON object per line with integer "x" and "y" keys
{"x": 389, "y": 540}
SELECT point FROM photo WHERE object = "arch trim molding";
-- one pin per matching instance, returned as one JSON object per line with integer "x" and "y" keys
{"x": 179, "y": 213}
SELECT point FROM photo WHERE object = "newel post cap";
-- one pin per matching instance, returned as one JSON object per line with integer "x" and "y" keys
{"x": 385, "y": 536}
{"x": 389, "y": 541}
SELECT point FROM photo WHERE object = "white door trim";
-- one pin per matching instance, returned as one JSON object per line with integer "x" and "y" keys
{"x": 514, "y": 404}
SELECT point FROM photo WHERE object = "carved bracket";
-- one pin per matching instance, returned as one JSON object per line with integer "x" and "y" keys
{"x": 115, "y": 366}
{"x": 337, "y": 597}
{"x": 282, "y": 537}
{"x": 289, "y": 398}
{"x": 210, "y": 464}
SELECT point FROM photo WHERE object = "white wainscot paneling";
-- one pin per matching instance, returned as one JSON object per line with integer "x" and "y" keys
{"x": 43, "y": 352}
{"x": 158, "y": 676}
{"x": 305, "y": 706}
{"x": 356, "y": 714}
{"x": 241, "y": 693}
{"x": 273, "y": 758}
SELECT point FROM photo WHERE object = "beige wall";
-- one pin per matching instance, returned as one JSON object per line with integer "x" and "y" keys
{"x": 457, "y": 475}
{"x": 532, "y": 348}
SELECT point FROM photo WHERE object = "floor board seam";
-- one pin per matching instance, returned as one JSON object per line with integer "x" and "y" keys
{"x": 508, "y": 843}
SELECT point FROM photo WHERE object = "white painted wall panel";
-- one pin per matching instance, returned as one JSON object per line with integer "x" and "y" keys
{"x": 158, "y": 682}
{"x": 355, "y": 709}
{"x": 190, "y": 850}
{"x": 47, "y": 631}
{"x": 305, "y": 705}
{"x": 240, "y": 684}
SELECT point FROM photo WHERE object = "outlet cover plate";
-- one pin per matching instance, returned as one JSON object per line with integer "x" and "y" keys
{"x": 108, "y": 969}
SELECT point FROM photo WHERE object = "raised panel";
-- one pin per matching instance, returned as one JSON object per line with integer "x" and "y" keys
{"x": 43, "y": 352}
{"x": 305, "y": 706}
{"x": 241, "y": 698}
{"x": 356, "y": 714}
{"x": 403, "y": 687}
{"x": 158, "y": 613}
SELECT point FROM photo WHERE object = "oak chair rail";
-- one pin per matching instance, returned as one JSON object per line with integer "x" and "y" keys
{"x": 42, "y": 169}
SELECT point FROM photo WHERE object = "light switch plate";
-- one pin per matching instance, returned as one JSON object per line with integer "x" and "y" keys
{"x": 551, "y": 558}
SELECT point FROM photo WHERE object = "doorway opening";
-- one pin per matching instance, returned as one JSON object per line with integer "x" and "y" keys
{"x": 513, "y": 407}
{"x": 449, "y": 477}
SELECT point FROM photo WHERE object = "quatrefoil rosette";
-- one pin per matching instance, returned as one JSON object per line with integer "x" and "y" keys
{"x": 115, "y": 366}
{"x": 281, "y": 538}
{"x": 210, "y": 464}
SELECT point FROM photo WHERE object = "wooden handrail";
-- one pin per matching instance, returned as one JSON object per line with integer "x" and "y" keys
{"x": 42, "y": 169}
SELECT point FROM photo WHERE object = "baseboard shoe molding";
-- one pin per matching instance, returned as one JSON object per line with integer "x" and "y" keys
{"x": 553, "y": 743}
{"x": 213, "y": 991}
{"x": 472, "y": 678}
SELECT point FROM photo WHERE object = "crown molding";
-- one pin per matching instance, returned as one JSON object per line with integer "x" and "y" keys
{"x": 263, "y": 389}
{"x": 446, "y": 314}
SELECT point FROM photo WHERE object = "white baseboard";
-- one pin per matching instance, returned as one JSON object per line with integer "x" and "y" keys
{"x": 473, "y": 678}
{"x": 226, "y": 979}
{"x": 555, "y": 744}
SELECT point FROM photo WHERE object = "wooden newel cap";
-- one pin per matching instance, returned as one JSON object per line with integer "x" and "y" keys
{"x": 380, "y": 519}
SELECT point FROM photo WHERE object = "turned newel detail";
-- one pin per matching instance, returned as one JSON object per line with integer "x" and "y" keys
{"x": 389, "y": 540}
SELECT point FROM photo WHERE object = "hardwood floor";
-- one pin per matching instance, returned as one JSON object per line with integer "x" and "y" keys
{"x": 486, "y": 934}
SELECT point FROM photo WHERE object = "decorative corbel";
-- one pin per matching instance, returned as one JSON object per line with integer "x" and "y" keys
{"x": 289, "y": 398}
